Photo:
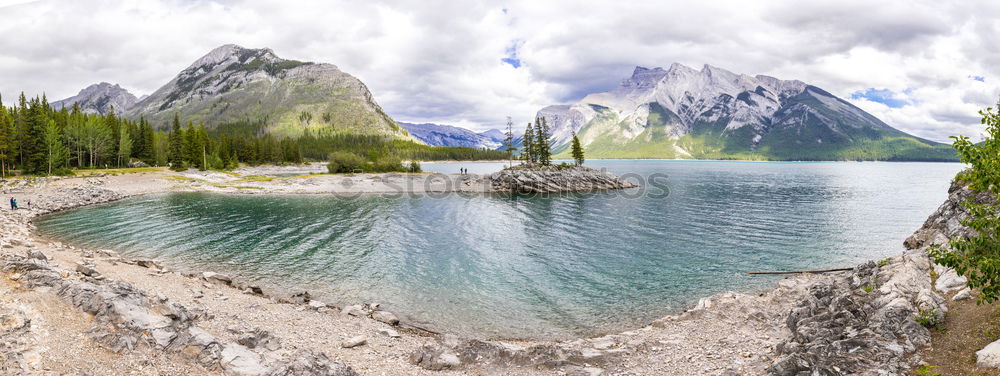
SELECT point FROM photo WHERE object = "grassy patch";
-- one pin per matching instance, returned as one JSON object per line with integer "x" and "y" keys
{"x": 118, "y": 171}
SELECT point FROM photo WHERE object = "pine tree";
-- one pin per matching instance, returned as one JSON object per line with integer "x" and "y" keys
{"x": 148, "y": 154}
{"x": 577, "y": 150}
{"x": 175, "y": 150}
{"x": 528, "y": 142}
{"x": 34, "y": 147}
{"x": 56, "y": 152}
{"x": 6, "y": 138}
{"x": 508, "y": 142}
{"x": 542, "y": 143}
{"x": 192, "y": 148}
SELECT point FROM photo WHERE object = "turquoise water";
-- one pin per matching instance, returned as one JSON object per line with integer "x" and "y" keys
{"x": 561, "y": 265}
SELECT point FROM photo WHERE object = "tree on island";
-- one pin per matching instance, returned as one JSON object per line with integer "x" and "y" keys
{"x": 543, "y": 143}
{"x": 978, "y": 256}
{"x": 508, "y": 142}
{"x": 577, "y": 150}
{"x": 528, "y": 142}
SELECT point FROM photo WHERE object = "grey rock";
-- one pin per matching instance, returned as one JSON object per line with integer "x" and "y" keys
{"x": 840, "y": 325}
{"x": 240, "y": 360}
{"x": 388, "y": 332}
{"x": 216, "y": 278}
{"x": 309, "y": 363}
{"x": 37, "y": 255}
{"x": 962, "y": 295}
{"x": 552, "y": 180}
{"x": 354, "y": 342}
{"x": 87, "y": 269}
{"x": 386, "y": 317}
{"x": 989, "y": 356}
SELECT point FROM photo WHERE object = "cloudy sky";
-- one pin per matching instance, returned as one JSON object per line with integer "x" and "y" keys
{"x": 925, "y": 67}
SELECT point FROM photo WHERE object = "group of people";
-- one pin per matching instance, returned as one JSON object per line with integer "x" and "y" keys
{"x": 14, "y": 206}
{"x": 463, "y": 170}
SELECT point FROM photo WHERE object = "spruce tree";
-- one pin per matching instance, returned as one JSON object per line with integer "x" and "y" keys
{"x": 6, "y": 138}
{"x": 192, "y": 148}
{"x": 542, "y": 145}
{"x": 34, "y": 147}
{"x": 56, "y": 153}
{"x": 175, "y": 151}
{"x": 528, "y": 142}
{"x": 577, "y": 150}
{"x": 508, "y": 142}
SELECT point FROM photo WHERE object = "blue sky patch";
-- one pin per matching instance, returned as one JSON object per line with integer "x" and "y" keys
{"x": 512, "y": 53}
{"x": 883, "y": 96}
{"x": 978, "y": 78}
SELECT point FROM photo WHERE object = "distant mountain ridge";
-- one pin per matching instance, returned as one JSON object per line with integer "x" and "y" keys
{"x": 447, "y": 135}
{"x": 712, "y": 113}
{"x": 99, "y": 98}
{"x": 234, "y": 84}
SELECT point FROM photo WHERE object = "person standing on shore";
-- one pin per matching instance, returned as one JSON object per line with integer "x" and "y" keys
{"x": 13, "y": 205}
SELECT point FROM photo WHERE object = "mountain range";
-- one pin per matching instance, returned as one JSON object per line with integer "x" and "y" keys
{"x": 679, "y": 112}
{"x": 448, "y": 135}
{"x": 712, "y": 113}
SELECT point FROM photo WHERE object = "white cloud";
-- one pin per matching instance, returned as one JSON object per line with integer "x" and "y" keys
{"x": 440, "y": 61}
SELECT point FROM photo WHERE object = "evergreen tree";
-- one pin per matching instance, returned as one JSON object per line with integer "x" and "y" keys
{"x": 34, "y": 146}
{"x": 56, "y": 152}
{"x": 508, "y": 142}
{"x": 542, "y": 143}
{"x": 528, "y": 142}
{"x": 6, "y": 140}
{"x": 175, "y": 153}
{"x": 147, "y": 152}
{"x": 577, "y": 150}
{"x": 192, "y": 148}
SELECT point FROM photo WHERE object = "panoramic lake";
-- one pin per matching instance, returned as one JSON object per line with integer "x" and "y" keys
{"x": 543, "y": 266}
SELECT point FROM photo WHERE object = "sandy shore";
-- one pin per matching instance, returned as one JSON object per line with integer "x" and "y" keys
{"x": 730, "y": 333}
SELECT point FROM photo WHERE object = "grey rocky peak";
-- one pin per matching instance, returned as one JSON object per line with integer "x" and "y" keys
{"x": 232, "y": 83}
{"x": 99, "y": 98}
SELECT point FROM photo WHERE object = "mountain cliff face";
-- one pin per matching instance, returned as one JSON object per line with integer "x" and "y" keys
{"x": 234, "y": 84}
{"x": 712, "y": 113}
{"x": 447, "y": 135}
{"x": 99, "y": 99}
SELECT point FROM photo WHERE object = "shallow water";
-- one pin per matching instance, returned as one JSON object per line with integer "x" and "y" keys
{"x": 563, "y": 265}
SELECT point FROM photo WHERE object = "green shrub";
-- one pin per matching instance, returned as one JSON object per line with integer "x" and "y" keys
{"x": 415, "y": 166}
{"x": 927, "y": 318}
{"x": 927, "y": 370}
{"x": 341, "y": 162}
{"x": 978, "y": 257}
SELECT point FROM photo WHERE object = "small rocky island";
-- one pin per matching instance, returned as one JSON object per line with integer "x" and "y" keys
{"x": 553, "y": 179}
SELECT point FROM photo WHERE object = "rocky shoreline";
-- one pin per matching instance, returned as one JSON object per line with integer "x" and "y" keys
{"x": 141, "y": 312}
{"x": 553, "y": 179}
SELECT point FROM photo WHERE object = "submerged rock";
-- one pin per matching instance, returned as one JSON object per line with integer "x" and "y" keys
{"x": 386, "y": 317}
